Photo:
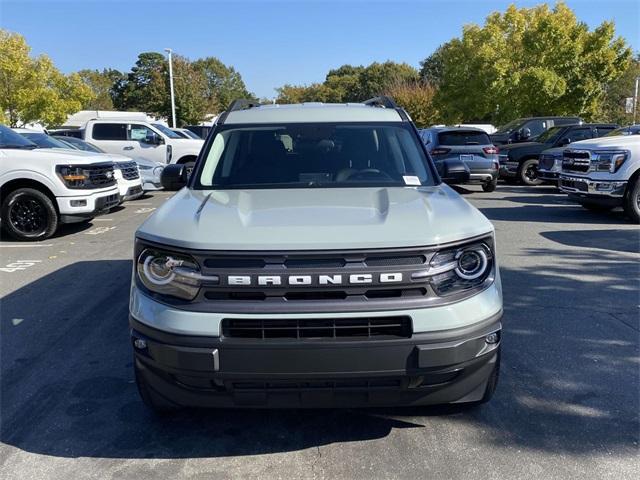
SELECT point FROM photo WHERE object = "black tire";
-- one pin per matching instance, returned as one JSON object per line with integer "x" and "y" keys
{"x": 490, "y": 186}
{"x": 596, "y": 207}
{"x": 152, "y": 400}
{"x": 632, "y": 201}
{"x": 29, "y": 214}
{"x": 528, "y": 172}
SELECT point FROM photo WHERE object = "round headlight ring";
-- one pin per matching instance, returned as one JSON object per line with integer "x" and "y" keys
{"x": 477, "y": 257}
{"x": 150, "y": 263}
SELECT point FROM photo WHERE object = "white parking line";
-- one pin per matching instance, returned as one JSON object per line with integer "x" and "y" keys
{"x": 102, "y": 220}
{"x": 27, "y": 245}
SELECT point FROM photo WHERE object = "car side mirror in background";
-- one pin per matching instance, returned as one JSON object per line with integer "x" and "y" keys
{"x": 523, "y": 134}
{"x": 154, "y": 140}
{"x": 174, "y": 176}
{"x": 565, "y": 141}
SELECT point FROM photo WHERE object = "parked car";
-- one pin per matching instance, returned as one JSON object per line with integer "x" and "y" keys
{"x": 604, "y": 173}
{"x": 125, "y": 170}
{"x": 520, "y": 160}
{"x": 138, "y": 139}
{"x": 201, "y": 130}
{"x": 468, "y": 145}
{"x": 525, "y": 129}
{"x": 186, "y": 133}
{"x": 150, "y": 171}
{"x": 41, "y": 189}
{"x": 339, "y": 271}
{"x": 628, "y": 130}
{"x": 486, "y": 127}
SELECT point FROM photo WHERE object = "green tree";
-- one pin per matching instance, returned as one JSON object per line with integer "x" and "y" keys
{"x": 145, "y": 88}
{"x": 527, "y": 61}
{"x": 32, "y": 89}
{"x": 417, "y": 99}
{"x": 613, "y": 108}
{"x": 223, "y": 84}
{"x": 190, "y": 90}
{"x": 101, "y": 84}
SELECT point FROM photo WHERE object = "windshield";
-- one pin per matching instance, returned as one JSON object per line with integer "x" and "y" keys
{"x": 190, "y": 134}
{"x": 166, "y": 130}
{"x": 79, "y": 144}
{"x": 42, "y": 140}
{"x": 510, "y": 126}
{"x": 314, "y": 155}
{"x": 550, "y": 136}
{"x": 631, "y": 130}
{"x": 10, "y": 139}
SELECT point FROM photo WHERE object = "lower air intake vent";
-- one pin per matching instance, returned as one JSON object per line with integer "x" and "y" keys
{"x": 377, "y": 328}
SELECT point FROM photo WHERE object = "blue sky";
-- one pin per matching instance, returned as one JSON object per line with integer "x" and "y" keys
{"x": 270, "y": 43}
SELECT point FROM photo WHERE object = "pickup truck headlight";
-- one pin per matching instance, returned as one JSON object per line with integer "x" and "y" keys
{"x": 170, "y": 274}
{"x": 72, "y": 176}
{"x": 462, "y": 268}
{"x": 609, "y": 161}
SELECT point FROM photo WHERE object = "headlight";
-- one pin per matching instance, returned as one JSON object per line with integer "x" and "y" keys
{"x": 609, "y": 161}
{"x": 73, "y": 177}
{"x": 169, "y": 274}
{"x": 462, "y": 268}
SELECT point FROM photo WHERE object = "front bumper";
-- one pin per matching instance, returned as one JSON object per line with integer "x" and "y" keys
{"x": 509, "y": 169}
{"x": 610, "y": 192}
{"x": 482, "y": 175}
{"x": 548, "y": 175}
{"x": 78, "y": 208}
{"x": 428, "y": 368}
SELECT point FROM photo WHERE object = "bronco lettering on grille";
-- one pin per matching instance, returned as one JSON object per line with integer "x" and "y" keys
{"x": 276, "y": 280}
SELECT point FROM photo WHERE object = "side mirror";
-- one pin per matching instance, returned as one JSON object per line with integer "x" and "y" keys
{"x": 523, "y": 134}
{"x": 565, "y": 141}
{"x": 154, "y": 140}
{"x": 174, "y": 176}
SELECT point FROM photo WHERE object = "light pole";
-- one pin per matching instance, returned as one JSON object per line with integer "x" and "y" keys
{"x": 635, "y": 100}
{"x": 173, "y": 101}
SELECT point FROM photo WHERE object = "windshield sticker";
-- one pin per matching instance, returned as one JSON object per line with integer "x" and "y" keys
{"x": 411, "y": 180}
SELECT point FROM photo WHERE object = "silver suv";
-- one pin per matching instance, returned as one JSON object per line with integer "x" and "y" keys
{"x": 314, "y": 258}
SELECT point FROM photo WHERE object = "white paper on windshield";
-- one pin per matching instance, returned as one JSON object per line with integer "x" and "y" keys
{"x": 411, "y": 180}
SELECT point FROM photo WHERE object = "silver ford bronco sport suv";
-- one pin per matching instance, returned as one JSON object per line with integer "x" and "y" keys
{"x": 314, "y": 259}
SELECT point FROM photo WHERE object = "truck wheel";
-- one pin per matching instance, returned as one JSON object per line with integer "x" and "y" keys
{"x": 490, "y": 186}
{"x": 29, "y": 214}
{"x": 153, "y": 401}
{"x": 529, "y": 172}
{"x": 632, "y": 201}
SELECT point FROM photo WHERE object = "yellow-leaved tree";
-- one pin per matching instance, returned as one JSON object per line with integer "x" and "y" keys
{"x": 33, "y": 89}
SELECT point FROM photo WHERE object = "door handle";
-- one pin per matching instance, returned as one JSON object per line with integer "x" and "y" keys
{"x": 128, "y": 148}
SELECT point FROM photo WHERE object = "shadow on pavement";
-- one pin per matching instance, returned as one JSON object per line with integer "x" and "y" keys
{"x": 569, "y": 381}
{"x": 613, "y": 240}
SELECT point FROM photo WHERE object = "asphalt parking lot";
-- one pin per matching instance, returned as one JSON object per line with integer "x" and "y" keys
{"x": 567, "y": 405}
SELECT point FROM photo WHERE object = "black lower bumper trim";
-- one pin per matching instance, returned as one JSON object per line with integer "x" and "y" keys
{"x": 432, "y": 368}
{"x": 102, "y": 206}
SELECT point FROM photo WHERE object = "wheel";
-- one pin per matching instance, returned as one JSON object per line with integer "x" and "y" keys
{"x": 29, "y": 214}
{"x": 152, "y": 400}
{"x": 490, "y": 186}
{"x": 596, "y": 207}
{"x": 632, "y": 201}
{"x": 529, "y": 172}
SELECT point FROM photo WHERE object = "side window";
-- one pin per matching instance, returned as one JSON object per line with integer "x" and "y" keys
{"x": 109, "y": 131}
{"x": 600, "y": 131}
{"x": 536, "y": 126}
{"x": 141, "y": 133}
{"x": 578, "y": 134}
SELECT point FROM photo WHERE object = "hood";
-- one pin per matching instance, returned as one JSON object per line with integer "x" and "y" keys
{"x": 57, "y": 155}
{"x": 554, "y": 150}
{"x": 314, "y": 219}
{"x": 622, "y": 142}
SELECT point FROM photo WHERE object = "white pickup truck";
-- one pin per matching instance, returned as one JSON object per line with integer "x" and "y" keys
{"x": 604, "y": 173}
{"x": 135, "y": 138}
{"x": 42, "y": 188}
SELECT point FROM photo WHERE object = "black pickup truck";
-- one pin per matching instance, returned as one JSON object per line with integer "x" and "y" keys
{"x": 526, "y": 129}
{"x": 519, "y": 161}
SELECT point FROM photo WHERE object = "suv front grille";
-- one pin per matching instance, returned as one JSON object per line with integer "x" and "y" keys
{"x": 576, "y": 161}
{"x": 129, "y": 170}
{"x": 378, "y": 328}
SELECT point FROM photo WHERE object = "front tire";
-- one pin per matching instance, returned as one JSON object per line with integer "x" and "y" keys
{"x": 29, "y": 214}
{"x": 490, "y": 186}
{"x": 632, "y": 201}
{"x": 529, "y": 172}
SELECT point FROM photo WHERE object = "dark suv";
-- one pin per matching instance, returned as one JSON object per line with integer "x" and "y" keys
{"x": 525, "y": 129}
{"x": 468, "y": 146}
{"x": 520, "y": 160}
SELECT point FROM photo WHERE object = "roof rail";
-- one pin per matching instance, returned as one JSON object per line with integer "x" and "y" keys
{"x": 382, "y": 101}
{"x": 236, "y": 105}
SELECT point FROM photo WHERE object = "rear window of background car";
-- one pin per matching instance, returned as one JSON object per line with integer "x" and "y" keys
{"x": 463, "y": 138}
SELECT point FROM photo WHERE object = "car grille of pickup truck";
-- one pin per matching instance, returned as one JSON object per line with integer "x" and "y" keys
{"x": 129, "y": 170}
{"x": 576, "y": 161}
{"x": 100, "y": 176}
